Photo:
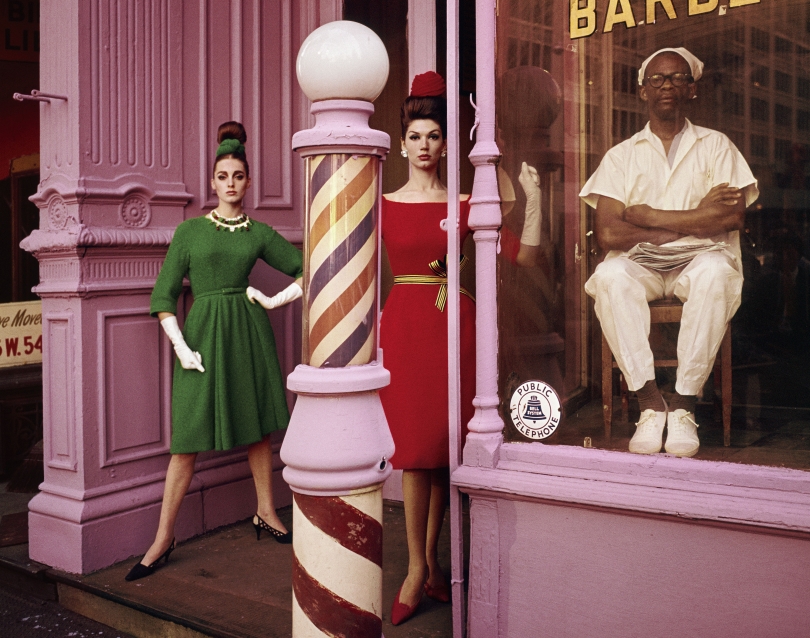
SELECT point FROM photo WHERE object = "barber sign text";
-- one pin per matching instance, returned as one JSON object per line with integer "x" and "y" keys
{"x": 588, "y": 16}
{"x": 535, "y": 409}
{"x": 20, "y": 333}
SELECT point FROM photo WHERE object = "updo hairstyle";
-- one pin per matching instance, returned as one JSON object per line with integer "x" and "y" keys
{"x": 232, "y": 131}
{"x": 424, "y": 108}
{"x": 425, "y": 102}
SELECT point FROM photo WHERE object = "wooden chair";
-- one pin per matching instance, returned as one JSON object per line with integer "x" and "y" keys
{"x": 668, "y": 311}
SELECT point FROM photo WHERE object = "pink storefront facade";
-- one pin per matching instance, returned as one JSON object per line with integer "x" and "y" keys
{"x": 572, "y": 536}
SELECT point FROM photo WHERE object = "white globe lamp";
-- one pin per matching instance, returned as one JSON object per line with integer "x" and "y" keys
{"x": 342, "y": 60}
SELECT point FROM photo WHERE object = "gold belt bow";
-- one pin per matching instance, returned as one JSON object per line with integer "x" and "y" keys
{"x": 439, "y": 267}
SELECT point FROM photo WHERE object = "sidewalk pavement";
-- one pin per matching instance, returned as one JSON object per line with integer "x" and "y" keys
{"x": 226, "y": 583}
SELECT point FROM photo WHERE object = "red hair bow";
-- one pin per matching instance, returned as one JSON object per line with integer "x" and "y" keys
{"x": 429, "y": 84}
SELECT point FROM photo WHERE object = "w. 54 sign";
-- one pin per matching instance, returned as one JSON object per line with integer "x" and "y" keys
{"x": 20, "y": 333}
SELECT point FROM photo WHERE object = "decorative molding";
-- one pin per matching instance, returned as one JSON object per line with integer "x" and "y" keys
{"x": 53, "y": 271}
{"x": 135, "y": 64}
{"x": 135, "y": 212}
{"x": 102, "y": 191}
{"x": 152, "y": 238}
{"x": 58, "y": 215}
{"x": 45, "y": 241}
{"x": 111, "y": 270}
{"x": 123, "y": 260}
{"x": 58, "y": 399}
{"x": 41, "y": 242}
{"x": 273, "y": 83}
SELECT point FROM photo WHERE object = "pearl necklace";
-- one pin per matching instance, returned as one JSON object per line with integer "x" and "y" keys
{"x": 242, "y": 222}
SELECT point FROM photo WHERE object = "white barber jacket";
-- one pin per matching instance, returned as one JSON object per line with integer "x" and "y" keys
{"x": 637, "y": 171}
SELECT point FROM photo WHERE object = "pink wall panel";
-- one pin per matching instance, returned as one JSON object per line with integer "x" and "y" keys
{"x": 568, "y": 571}
{"x": 58, "y": 341}
{"x": 131, "y": 395}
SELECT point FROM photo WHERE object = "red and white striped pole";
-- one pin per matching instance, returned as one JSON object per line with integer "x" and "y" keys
{"x": 338, "y": 443}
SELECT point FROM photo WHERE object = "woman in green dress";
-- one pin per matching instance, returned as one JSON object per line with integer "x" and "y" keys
{"x": 227, "y": 385}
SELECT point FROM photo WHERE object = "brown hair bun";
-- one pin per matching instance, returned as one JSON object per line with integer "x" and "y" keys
{"x": 232, "y": 149}
{"x": 231, "y": 131}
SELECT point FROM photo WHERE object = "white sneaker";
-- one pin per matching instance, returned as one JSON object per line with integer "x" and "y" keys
{"x": 649, "y": 433}
{"x": 682, "y": 438}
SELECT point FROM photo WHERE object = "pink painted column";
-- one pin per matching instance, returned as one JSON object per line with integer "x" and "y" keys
{"x": 109, "y": 199}
{"x": 124, "y": 160}
{"x": 338, "y": 442}
{"x": 485, "y": 429}
{"x": 483, "y": 446}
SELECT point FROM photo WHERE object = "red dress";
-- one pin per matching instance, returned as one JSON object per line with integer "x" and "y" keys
{"x": 413, "y": 336}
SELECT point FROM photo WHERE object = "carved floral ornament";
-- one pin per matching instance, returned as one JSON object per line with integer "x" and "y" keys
{"x": 135, "y": 211}
{"x": 58, "y": 215}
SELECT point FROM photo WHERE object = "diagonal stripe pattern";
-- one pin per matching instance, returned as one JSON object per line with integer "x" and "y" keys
{"x": 341, "y": 596}
{"x": 342, "y": 260}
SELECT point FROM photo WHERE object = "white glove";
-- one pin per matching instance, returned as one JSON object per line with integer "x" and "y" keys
{"x": 530, "y": 181}
{"x": 290, "y": 293}
{"x": 188, "y": 359}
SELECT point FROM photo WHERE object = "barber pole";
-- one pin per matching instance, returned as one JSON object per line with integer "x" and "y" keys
{"x": 341, "y": 596}
{"x": 337, "y": 445}
{"x": 342, "y": 256}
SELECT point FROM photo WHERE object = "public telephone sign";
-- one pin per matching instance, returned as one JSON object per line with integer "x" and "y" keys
{"x": 20, "y": 333}
{"x": 587, "y": 17}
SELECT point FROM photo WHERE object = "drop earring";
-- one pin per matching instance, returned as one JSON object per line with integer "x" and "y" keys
{"x": 404, "y": 153}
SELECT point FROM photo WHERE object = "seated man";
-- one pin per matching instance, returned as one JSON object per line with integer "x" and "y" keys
{"x": 671, "y": 184}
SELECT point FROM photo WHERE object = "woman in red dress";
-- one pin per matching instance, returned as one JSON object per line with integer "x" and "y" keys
{"x": 413, "y": 335}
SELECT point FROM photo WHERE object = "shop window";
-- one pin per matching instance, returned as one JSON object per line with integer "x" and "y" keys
{"x": 783, "y": 82}
{"x": 783, "y": 115}
{"x": 783, "y": 47}
{"x": 733, "y": 64}
{"x": 20, "y": 218}
{"x": 568, "y": 111}
{"x": 624, "y": 79}
{"x": 759, "y": 146}
{"x": 760, "y": 40}
{"x": 782, "y": 150}
{"x": 759, "y": 109}
{"x": 803, "y": 87}
{"x": 733, "y": 103}
{"x": 738, "y": 32}
{"x": 760, "y": 76}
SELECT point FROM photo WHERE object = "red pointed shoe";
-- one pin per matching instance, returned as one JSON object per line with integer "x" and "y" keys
{"x": 399, "y": 612}
{"x": 440, "y": 593}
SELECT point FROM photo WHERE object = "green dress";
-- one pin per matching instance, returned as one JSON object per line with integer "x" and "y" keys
{"x": 240, "y": 397}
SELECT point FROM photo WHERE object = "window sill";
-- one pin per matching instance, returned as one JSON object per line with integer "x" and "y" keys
{"x": 731, "y": 493}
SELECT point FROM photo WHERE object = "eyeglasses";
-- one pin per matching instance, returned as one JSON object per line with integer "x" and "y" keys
{"x": 677, "y": 79}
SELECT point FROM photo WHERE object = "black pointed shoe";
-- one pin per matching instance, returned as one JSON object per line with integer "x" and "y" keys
{"x": 281, "y": 537}
{"x": 139, "y": 570}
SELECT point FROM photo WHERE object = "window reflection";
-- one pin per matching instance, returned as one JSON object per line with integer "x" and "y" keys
{"x": 756, "y": 90}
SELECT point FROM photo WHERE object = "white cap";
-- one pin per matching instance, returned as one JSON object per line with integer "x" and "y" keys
{"x": 694, "y": 64}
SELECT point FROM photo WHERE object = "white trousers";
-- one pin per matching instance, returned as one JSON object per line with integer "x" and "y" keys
{"x": 709, "y": 286}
